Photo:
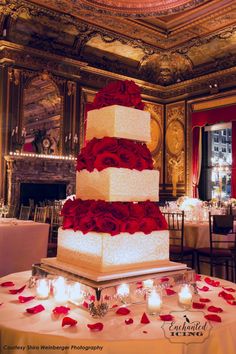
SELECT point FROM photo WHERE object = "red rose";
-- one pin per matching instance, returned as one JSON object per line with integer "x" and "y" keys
{"x": 105, "y": 160}
{"x": 105, "y": 144}
{"x": 68, "y": 222}
{"x": 108, "y": 224}
{"x": 129, "y": 145}
{"x": 144, "y": 151}
{"x": 141, "y": 165}
{"x": 161, "y": 223}
{"x": 81, "y": 162}
{"x": 151, "y": 209}
{"x": 84, "y": 224}
{"x": 100, "y": 207}
{"x": 70, "y": 207}
{"x": 127, "y": 158}
{"x": 136, "y": 210}
{"x": 130, "y": 226}
{"x": 147, "y": 225}
{"x": 119, "y": 210}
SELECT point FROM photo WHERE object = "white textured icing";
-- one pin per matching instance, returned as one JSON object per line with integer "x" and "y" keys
{"x": 103, "y": 252}
{"x": 118, "y": 184}
{"x": 119, "y": 122}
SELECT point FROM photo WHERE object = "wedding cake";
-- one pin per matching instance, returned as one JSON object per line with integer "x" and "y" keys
{"x": 114, "y": 223}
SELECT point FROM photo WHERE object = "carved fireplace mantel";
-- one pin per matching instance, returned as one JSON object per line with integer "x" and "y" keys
{"x": 38, "y": 169}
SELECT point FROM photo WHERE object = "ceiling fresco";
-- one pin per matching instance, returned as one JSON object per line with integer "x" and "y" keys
{"x": 163, "y": 47}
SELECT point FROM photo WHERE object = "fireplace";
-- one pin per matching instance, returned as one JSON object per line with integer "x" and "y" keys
{"x": 41, "y": 192}
{"x": 38, "y": 178}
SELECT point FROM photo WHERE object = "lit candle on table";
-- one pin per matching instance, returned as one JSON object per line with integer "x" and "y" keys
{"x": 148, "y": 284}
{"x": 60, "y": 291}
{"x": 75, "y": 294}
{"x": 185, "y": 296}
{"x": 42, "y": 288}
{"x": 154, "y": 302}
{"x": 123, "y": 290}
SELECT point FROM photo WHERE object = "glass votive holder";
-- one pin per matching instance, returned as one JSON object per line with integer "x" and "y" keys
{"x": 60, "y": 291}
{"x": 154, "y": 302}
{"x": 148, "y": 284}
{"x": 185, "y": 296}
{"x": 123, "y": 292}
{"x": 42, "y": 288}
{"x": 75, "y": 293}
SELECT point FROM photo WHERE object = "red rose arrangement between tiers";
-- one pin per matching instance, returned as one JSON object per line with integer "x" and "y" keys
{"x": 99, "y": 154}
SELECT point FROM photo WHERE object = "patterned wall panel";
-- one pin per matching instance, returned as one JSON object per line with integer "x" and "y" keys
{"x": 175, "y": 146}
{"x": 157, "y": 127}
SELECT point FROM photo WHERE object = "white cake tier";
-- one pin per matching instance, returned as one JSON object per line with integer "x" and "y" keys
{"x": 119, "y": 122}
{"x": 118, "y": 185}
{"x": 102, "y": 252}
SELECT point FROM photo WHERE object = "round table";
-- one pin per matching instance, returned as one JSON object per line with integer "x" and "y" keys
{"x": 21, "y": 332}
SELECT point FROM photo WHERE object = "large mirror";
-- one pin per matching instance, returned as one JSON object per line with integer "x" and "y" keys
{"x": 42, "y": 116}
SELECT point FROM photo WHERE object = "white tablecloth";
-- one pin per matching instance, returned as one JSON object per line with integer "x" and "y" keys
{"x": 42, "y": 329}
{"x": 22, "y": 243}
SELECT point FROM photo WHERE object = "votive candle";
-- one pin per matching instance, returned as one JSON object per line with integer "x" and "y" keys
{"x": 154, "y": 302}
{"x": 185, "y": 296}
{"x": 42, "y": 288}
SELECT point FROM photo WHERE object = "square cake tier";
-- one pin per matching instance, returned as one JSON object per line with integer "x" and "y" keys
{"x": 102, "y": 252}
{"x": 119, "y": 122}
{"x": 118, "y": 185}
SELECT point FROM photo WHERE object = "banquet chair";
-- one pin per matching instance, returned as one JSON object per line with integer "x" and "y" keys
{"x": 221, "y": 251}
{"x": 24, "y": 212}
{"x": 40, "y": 214}
{"x": 11, "y": 211}
{"x": 178, "y": 252}
{"x": 55, "y": 223}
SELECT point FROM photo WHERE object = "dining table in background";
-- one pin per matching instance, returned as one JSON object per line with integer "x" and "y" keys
{"x": 22, "y": 243}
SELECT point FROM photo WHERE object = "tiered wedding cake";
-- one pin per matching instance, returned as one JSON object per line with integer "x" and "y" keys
{"x": 115, "y": 224}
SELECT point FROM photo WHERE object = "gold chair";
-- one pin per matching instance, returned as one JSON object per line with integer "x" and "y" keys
{"x": 178, "y": 252}
{"x": 24, "y": 212}
{"x": 55, "y": 223}
{"x": 40, "y": 214}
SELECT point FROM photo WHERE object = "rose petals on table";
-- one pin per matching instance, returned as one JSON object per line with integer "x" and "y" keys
{"x": 204, "y": 288}
{"x": 113, "y": 306}
{"x": 96, "y": 327}
{"x": 214, "y": 318}
{"x": 197, "y": 305}
{"x": 198, "y": 277}
{"x": 139, "y": 284}
{"x": 92, "y": 298}
{"x": 68, "y": 321}
{"x": 231, "y": 302}
{"x": 7, "y": 284}
{"x": 230, "y": 290}
{"x": 225, "y": 295}
{"x": 166, "y": 317}
{"x": 35, "y": 309}
{"x": 164, "y": 279}
{"x": 129, "y": 321}
{"x": 17, "y": 291}
{"x": 123, "y": 311}
{"x": 145, "y": 332}
{"x": 85, "y": 304}
{"x": 204, "y": 300}
{"x": 144, "y": 319}
{"x": 215, "y": 309}
{"x": 212, "y": 282}
{"x": 61, "y": 310}
{"x": 170, "y": 291}
{"x": 23, "y": 299}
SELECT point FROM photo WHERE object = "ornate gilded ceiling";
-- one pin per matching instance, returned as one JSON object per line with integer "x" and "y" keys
{"x": 166, "y": 48}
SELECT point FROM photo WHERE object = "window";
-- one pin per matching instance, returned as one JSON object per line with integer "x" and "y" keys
{"x": 215, "y": 180}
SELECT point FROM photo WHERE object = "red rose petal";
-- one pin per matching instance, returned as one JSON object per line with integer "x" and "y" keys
{"x": 197, "y": 305}
{"x": 1, "y": 303}
{"x": 230, "y": 290}
{"x": 170, "y": 291}
{"x": 113, "y": 306}
{"x": 17, "y": 291}
{"x": 35, "y": 309}
{"x": 129, "y": 321}
{"x": 215, "y": 309}
{"x": 96, "y": 327}
{"x": 7, "y": 283}
{"x": 85, "y": 304}
{"x": 212, "y": 282}
{"x": 23, "y": 299}
{"x": 164, "y": 279}
{"x": 198, "y": 277}
{"x": 166, "y": 317}
{"x": 204, "y": 300}
{"x": 59, "y": 310}
{"x": 92, "y": 298}
{"x": 144, "y": 319}
{"x": 231, "y": 302}
{"x": 123, "y": 311}
{"x": 225, "y": 295}
{"x": 214, "y": 318}
{"x": 204, "y": 288}
{"x": 145, "y": 332}
{"x": 68, "y": 321}
{"x": 139, "y": 284}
